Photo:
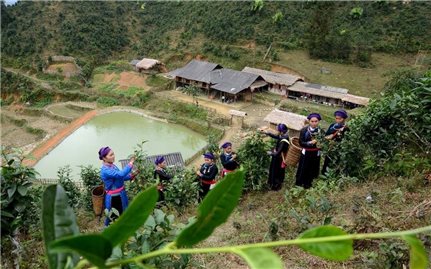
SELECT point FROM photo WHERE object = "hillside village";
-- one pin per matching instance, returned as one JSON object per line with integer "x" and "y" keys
{"x": 207, "y": 122}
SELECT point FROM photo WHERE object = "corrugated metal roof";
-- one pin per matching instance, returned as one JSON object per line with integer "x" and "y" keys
{"x": 274, "y": 77}
{"x": 172, "y": 159}
{"x": 292, "y": 120}
{"x": 134, "y": 62}
{"x": 317, "y": 89}
{"x": 195, "y": 70}
{"x": 232, "y": 81}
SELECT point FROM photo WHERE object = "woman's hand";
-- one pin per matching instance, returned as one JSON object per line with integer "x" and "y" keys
{"x": 132, "y": 160}
{"x": 313, "y": 142}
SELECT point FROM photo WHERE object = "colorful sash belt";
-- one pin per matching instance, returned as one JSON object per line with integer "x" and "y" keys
{"x": 208, "y": 182}
{"x": 116, "y": 191}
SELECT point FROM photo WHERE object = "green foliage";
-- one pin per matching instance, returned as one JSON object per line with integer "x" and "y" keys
{"x": 260, "y": 258}
{"x": 135, "y": 216}
{"x": 159, "y": 230}
{"x": 17, "y": 202}
{"x": 58, "y": 221}
{"x": 182, "y": 190}
{"x": 336, "y": 251}
{"x": 90, "y": 177}
{"x": 418, "y": 257}
{"x": 214, "y": 210}
{"x": 108, "y": 101}
{"x": 394, "y": 129}
{"x": 66, "y": 181}
{"x": 329, "y": 242}
{"x": 99, "y": 31}
{"x": 253, "y": 152}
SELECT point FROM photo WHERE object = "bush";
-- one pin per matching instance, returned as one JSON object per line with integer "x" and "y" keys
{"x": 159, "y": 230}
{"x": 385, "y": 133}
{"x": 18, "y": 206}
{"x": 255, "y": 161}
{"x": 90, "y": 177}
{"x": 107, "y": 101}
{"x": 182, "y": 190}
{"x": 65, "y": 180}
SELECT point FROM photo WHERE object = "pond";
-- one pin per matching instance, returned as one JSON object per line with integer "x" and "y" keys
{"x": 121, "y": 131}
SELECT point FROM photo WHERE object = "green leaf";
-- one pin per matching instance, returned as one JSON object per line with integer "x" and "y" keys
{"x": 94, "y": 247}
{"x": 418, "y": 254}
{"x": 214, "y": 209}
{"x": 133, "y": 217}
{"x": 22, "y": 190}
{"x": 261, "y": 258}
{"x": 58, "y": 220}
{"x": 331, "y": 250}
{"x": 11, "y": 190}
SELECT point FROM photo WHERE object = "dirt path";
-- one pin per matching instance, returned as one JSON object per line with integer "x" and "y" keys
{"x": 219, "y": 107}
{"x": 47, "y": 146}
{"x": 231, "y": 134}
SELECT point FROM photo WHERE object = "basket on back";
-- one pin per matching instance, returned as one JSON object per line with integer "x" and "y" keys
{"x": 97, "y": 197}
{"x": 294, "y": 153}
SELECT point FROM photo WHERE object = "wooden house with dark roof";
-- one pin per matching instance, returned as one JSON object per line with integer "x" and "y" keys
{"x": 195, "y": 73}
{"x": 317, "y": 93}
{"x": 235, "y": 85}
{"x": 277, "y": 82}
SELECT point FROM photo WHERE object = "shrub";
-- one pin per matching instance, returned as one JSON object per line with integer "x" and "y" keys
{"x": 107, "y": 101}
{"x": 255, "y": 161}
{"x": 90, "y": 177}
{"x": 65, "y": 180}
{"x": 18, "y": 205}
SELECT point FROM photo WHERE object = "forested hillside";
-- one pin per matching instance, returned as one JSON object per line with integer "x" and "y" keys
{"x": 97, "y": 31}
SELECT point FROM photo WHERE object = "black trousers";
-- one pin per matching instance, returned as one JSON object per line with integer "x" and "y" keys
{"x": 276, "y": 173}
{"x": 308, "y": 169}
{"x": 117, "y": 204}
{"x": 205, "y": 188}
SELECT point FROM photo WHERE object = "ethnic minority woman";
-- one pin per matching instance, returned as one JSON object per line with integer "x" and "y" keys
{"x": 207, "y": 175}
{"x": 335, "y": 133}
{"x": 113, "y": 179}
{"x": 161, "y": 174}
{"x": 277, "y": 167}
{"x": 228, "y": 159}
{"x": 309, "y": 163}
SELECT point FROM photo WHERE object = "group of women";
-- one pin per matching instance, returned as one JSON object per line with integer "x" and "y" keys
{"x": 114, "y": 178}
{"x": 308, "y": 166}
{"x": 309, "y": 162}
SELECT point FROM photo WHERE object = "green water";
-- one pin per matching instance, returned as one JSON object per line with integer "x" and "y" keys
{"x": 121, "y": 131}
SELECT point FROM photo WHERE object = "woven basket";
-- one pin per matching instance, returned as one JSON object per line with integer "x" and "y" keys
{"x": 97, "y": 197}
{"x": 294, "y": 152}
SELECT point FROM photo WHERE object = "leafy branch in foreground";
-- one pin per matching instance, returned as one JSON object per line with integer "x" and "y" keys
{"x": 328, "y": 242}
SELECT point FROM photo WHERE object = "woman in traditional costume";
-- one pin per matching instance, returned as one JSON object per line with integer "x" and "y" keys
{"x": 228, "y": 159}
{"x": 309, "y": 163}
{"x": 335, "y": 133}
{"x": 278, "y": 163}
{"x": 161, "y": 174}
{"x": 207, "y": 174}
{"x": 113, "y": 179}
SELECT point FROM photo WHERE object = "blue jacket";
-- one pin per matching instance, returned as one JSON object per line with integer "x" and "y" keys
{"x": 114, "y": 178}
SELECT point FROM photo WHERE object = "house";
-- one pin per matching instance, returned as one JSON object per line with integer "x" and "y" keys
{"x": 195, "y": 73}
{"x": 277, "y": 82}
{"x": 148, "y": 65}
{"x": 317, "y": 93}
{"x": 218, "y": 81}
{"x": 352, "y": 101}
{"x": 294, "y": 122}
{"x": 134, "y": 62}
{"x": 235, "y": 85}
